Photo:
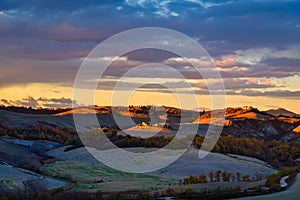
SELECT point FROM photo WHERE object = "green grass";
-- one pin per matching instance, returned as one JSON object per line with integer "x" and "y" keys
{"x": 7, "y": 182}
{"x": 86, "y": 176}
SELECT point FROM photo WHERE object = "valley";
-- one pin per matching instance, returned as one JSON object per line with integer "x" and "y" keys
{"x": 45, "y": 150}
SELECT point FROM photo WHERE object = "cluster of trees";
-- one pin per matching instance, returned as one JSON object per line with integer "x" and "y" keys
{"x": 129, "y": 141}
{"x": 212, "y": 194}
{"x": 66, "y": 136}
{"x": 217, "y": 176}
{"x": 218, "y": 193}
{"x": 215, "y": 193}
{"x": 273, "y": 181}
{"x": 277, "y": 153}
{"x": 139, "y": 109}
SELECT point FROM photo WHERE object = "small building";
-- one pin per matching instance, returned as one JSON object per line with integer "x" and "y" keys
{"x": 142, "y": 124}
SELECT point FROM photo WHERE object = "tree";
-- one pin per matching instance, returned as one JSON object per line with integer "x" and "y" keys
{"x": 202, "y": 178}
{"x": 180, "y": 182}
{"x": 211, "y": 176}
{"x": 224, "y": 176}
{"x": 275, "y": 163}
{"x": 193, "y": 179}
{"x": 217, "y": 175}
{"x": 246, "y": 177}
{"x": 232, "y": 178}
{"x": 238, "y": 176}
{"x": 228, "y": 176}
{"x": 186, "y": 181}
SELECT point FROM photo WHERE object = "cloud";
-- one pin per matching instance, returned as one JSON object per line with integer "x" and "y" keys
{"x": 275, "y": 93}
{"x": 167, "y": 8}
{"x": 67, "y": 32}
{"x": 281, "y": 62}
{"x": 158, "y": 8}
{"x": 41, "y": 101}
{"x": 204, "y": 62}
{"x": 201, "y": 85}
{"x": 5, "y": 102}
{"x": 284, "y": 94}
{"x": 25, "y": 102}
{"x": 56, "y": 102}
{"x": 258, "y": 55}
{"x": 142, "y": 84}
{"x": 46, "y": 41}
{"x": 232, "y": 69}
{"x": 237, "y": 84}
{"x": 38, "y": 71}
{"x": 225, "y": 61}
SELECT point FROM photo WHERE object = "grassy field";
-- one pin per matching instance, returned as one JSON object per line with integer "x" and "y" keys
{"x": 15, "y": 179}
{"x": 94, "y": 177}
{"x": 190, "y": 163}
{"x": 18, "y": 155}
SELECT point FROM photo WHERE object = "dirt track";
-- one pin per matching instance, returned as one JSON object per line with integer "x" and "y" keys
{"x": 292, "y": 193}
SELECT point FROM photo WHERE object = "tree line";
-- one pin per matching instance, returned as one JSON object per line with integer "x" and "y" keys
{"x": 277, "y": 153}
{"x": 218, "y": 176}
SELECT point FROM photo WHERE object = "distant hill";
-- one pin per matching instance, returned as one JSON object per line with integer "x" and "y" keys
{"x": 85, "y": 110}
{"x": 38, "y": 111}
{"x": 250, "y": 122}
{"x": 281, "y": 112}
{"x": 232, "y": 114}
{"x": 278, "y": 124}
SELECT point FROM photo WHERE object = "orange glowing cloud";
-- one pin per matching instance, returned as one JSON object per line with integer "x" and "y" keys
{"x": 228, "y": 60}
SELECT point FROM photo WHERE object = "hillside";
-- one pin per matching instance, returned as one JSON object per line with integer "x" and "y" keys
{"x": 239, "y": 122}
{"x": 49, "y": 145}
{"x": 250, "y": 122}
{"x": 281, "y": 112}
{"x": 297, "y": 129}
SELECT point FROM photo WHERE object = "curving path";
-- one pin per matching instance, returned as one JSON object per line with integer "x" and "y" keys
{"x": 292, "y": 193}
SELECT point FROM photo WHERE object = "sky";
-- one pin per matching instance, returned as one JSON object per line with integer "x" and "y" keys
{"x": 255, "y": 46}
